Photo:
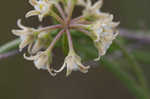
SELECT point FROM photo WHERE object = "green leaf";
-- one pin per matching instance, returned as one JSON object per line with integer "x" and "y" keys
{"x": 64, "y": 42}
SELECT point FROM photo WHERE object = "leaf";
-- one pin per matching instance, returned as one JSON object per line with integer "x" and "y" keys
{"x": 64, "y": 42}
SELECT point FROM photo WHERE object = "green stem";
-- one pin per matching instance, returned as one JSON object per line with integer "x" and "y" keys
{"x": 9, "y": 46}
{"x": 134, "y": 65}
{"x": 126, "y": 79}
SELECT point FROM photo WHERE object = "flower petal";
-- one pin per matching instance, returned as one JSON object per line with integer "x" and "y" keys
{"x": 33, "y": 2}
{"x": 69, "y": 71}
{"x": 61, "y": 69}
{"x": 28, "y": 57}
{"x": 18, "y": 32}
{"x": 98, "y": 5}
{"x": 41, "y": 17}
{"x": 25, "y": 42}
{"x": 20, "y": 25}
{"x": 82, "y": 68}
{"x": 32, "y": 13}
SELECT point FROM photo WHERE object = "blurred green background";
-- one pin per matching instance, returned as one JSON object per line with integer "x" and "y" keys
{"x": 21, "y": 80}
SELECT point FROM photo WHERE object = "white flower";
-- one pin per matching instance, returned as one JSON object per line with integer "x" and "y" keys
{"x": 42, "y": 60}
{"x": 42, "y": 8}
{"x": 103, "y": 26}
{"x": 73, "y": 63}
{"x": 104, "y": 43}
{"x": 26, "y": 34}
{"x": 93, "y": 10}
{"x": 103, "y": 33}
{"x": 40, "y": 42}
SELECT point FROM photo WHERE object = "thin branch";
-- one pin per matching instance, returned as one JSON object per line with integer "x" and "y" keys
{"x": 69, "y": 39}
{"x": 59, "y": 8}
{"x": 57, "y": 17}
{"x": 70, "y": 10}
{"x": 77, "y": 19}
{"x": 84, "y": 31}
{"x": 138, "y": 35}
{"x": 78, "y": 26}
{"x": 80, "y": 20}
{"x": 8, "y": 54}
{"x": 9, "y": 46}
{"x": 49, "y": 28}
{"x": 55, "y": 39}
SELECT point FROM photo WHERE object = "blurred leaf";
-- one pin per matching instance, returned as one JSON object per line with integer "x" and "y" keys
{"x": 125, "y": 78}
{"x": 142, "y": 56}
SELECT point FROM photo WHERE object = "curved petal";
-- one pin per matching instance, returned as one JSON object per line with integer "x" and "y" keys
{"x": 32, "y": 13}
{"x": 28, "y": 57}
{"x": 50, "y": 70}
{"x": 41, "y": 17}
{"x": 61, "y": 69}
{"x": 97, "y": 5}
{"x": 20, "y": 25}
{"x": 30, "y": 48}
{"x": 98, "y": 58}
{"x": 26, "y": 40}
{"x": 18, "y": 32}
{"x": 69, "y": 70}
{"x": 33, "y": 2}
{"x": 22, "y": 45}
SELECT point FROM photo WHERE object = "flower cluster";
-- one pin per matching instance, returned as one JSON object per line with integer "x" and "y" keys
{"x": 99, "y": 26}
